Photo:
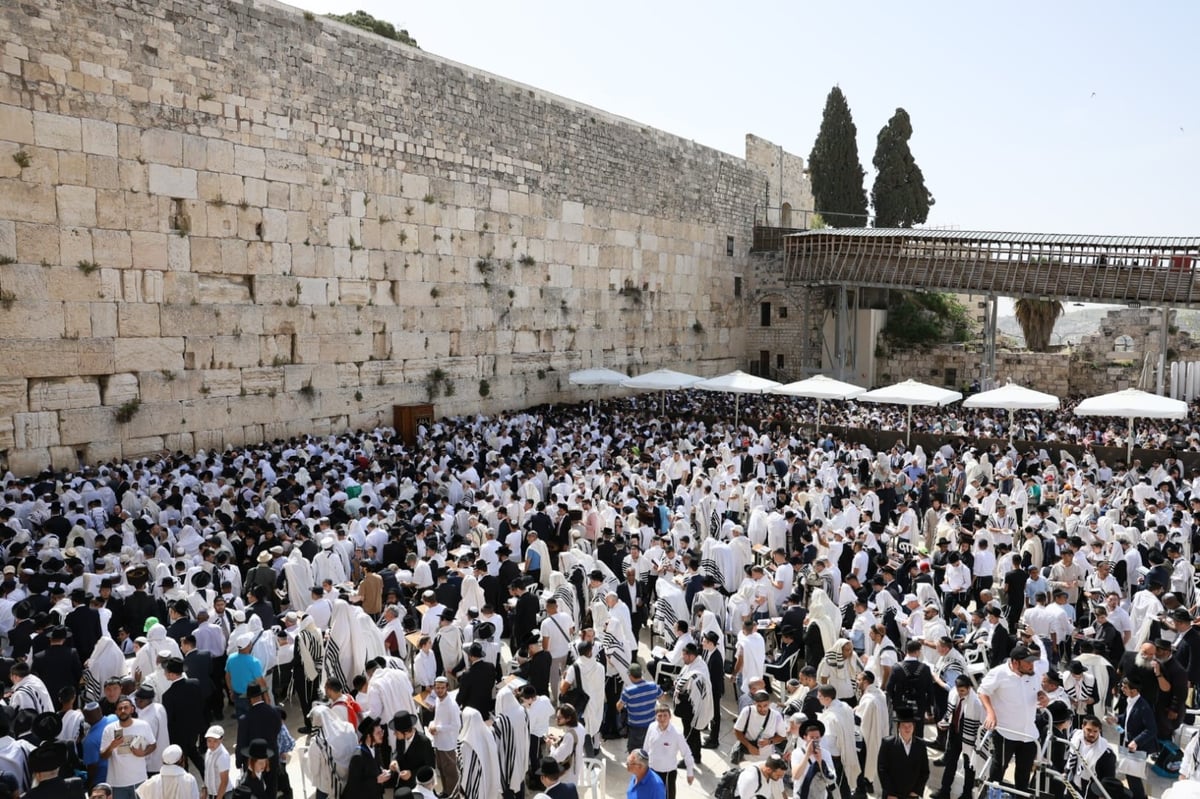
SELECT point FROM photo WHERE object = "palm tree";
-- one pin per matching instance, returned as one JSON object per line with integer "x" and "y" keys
{"x": 1037, "y": 318}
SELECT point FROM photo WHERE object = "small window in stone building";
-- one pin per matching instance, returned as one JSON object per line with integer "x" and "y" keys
{"x": 783, "y": 312}
{"x": 1123, "y": 344}
{"x": 737, "y": 286}
{"x": 951, "y": 377}
{"x": 729, "y": 246}
{"x": 765, "y": 314}
{"x": 779, "y": 360}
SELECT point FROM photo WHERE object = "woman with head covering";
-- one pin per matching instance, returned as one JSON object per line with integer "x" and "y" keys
{"x": 478, "y": 757}
{"x": 510, "y": 726}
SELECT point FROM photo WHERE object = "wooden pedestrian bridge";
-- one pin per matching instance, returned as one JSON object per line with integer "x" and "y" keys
{"x": 1130, "y": 270}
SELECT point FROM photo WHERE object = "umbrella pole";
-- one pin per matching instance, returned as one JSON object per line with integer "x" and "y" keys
{"x": 818, "y": 417}
{"x": 737, "y": 399}
{"x": 662, "y": 403}
{"x": 1011, "y": 416}
{"x": 1129, "y": 448}
{"x": 908, "y": 430}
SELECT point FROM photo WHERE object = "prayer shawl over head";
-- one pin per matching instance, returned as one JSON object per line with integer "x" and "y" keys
{"x": 840, "y": 671}
{"x": 543, "y": 575}
{"x": 106, "y": 662}
{"x": 563, "y": 593}
{"x": 339, "y": 645}
{"x": 388, "y": 692}
{"x": 299, "y": 574}
{"x": 874, "y": 723}
{"x": 146, "y": 660}
{"x": 592, "y": 674}
{"x": 448, "y": 646}
{"x": 470, "y": 596}
{"x": 510, "y": 726}
{"x": 311, "y": 648}
{"x": 614, "y": 643}
{"x": 825, "y": 614}
{"x": 478, "y": 757}
{"x": 330, "y": 747}
{"x": 709, "y": 623}
{"x": 669, "y": 608}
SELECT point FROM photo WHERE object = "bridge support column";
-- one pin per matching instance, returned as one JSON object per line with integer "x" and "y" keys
{"x": 1163, "y": 339}
{"x": 841, "y": 332}
{"x": 987, "y": 366}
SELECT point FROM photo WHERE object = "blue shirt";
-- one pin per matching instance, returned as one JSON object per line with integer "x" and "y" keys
{"x": 91, "y": 748}
{"x": 651, "y": 787}
{"x": 242, "y": 670}
{"x": 639, "y": 699}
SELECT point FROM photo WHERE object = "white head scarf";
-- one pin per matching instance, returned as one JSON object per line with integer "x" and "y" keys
{"x": 478, "y": 757}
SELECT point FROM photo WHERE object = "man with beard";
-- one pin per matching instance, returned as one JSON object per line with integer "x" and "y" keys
{"x": 1138, "y": 669}
{"x": 1172, "y": 682}
{"x": 1090, "y": 760}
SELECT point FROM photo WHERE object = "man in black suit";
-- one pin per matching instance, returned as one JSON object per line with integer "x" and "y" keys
{"x": 185, "y": 721}
{"x": 1187, "y": 645}
{"x": 58, "y": 665}
{"x": 262, "y": 720}
{"x": 509, "y": 571}
{"x": 716, "y": 675}
{"x": 181, "y": 624}
{"x": 903, "y": 761}
{"x": 911, "y": 685}
{"x": 550, "y": 773}
{"x": 488, "y": 584}
{"x": 536, "y": 668}
{"x": 525, "y": 613}
{"x": 412, "y": 750}
{"x": 1140, "y": 734}
{"x": 84, "y": 623}
{"x": 198, "y": 665}
{"x": 631, "y": 593}
{"x": 476, "y": 684}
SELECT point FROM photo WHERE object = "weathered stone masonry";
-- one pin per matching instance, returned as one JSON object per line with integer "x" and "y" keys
{"x": 224, "y": 221}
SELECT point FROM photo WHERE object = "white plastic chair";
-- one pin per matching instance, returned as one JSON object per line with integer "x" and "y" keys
{"x": 591, "y": 781}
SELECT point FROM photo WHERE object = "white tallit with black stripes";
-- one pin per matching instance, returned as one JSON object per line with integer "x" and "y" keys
{"x": 510, "y": 726}
{"x": 31, "y": 694}
{"x": 478, "y": 758}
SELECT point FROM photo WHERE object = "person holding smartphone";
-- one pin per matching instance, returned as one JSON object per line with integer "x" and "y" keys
{"x": 125, "y": 746}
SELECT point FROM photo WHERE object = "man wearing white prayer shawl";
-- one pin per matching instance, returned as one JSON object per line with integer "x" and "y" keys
{"x": 172, "y": 781}
{"x": 328, "y": 564}
{"x": 478, "y": 758}
{"x": 874, "y": 725}
{"x": 590, "y": 674}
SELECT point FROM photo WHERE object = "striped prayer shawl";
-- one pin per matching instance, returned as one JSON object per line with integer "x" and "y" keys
{"x": 92, "y": 690}
{"x": 615, "y": 654}
{"x": 506, "y": 744}
{"x": 470, "y": 771}
{"x": 309, "y": 647}
{"x": 710, "y": 568}
{"x": 693, "y": 688}
{"x": 333, "y": 662}
{"x": 664, "y": 621}
{"x": 26, "y": 695}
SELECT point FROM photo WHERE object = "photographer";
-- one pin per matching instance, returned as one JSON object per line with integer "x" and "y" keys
{"x": 812, "y": 766}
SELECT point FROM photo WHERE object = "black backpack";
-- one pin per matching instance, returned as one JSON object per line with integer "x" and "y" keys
{"x": 576, "y": 697}
{"x": 727, "y": 785}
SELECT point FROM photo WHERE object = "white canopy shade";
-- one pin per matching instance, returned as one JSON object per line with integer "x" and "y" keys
{"x": 820, "y": 388}
{"x": 1132, "y": 404}
{"x": 737, "y": 382}
{"x": 1012, "y": 397}
{"x": 661, "y": 380}
{"x": 911, "y": 393}
{"x": 597, "y": 377}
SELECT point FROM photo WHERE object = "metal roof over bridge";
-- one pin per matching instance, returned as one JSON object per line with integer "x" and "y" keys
{"x": 1107, "y": 269}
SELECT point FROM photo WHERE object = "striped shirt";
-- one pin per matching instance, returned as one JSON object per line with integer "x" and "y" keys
{"x": 639, "y": 699}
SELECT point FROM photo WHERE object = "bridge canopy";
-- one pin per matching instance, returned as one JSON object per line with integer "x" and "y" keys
{"x": 1108, "y": 269}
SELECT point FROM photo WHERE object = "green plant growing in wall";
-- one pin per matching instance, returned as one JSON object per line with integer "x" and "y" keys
{"x": 88, "y": 267}
{"x": 128, "y": 410}
{"x": 379, "y": 27}
{"x": 434, "y": 383}
{"x": 206, "y": 96}
{"x": 7, "y": 298}
{"x": 358, "y": 395}
{"x": 22, "y": 158}
{"x": 697, "y": 327}
{"x": 433, "y": 292}
{"x": 7, "y": 260}
{"x": 485, "y": 388}
{"x": 429, "y": 199}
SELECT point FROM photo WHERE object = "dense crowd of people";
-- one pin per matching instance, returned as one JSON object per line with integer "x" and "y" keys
{"x": 501, "y": 606}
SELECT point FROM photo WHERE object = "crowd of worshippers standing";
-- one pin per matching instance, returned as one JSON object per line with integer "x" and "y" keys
{"x": 475, "y": 615}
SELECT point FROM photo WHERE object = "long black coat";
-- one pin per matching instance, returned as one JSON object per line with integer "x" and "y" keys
{"x": 184, "y": 702}
{"x": 418, "y": 753}
{"x": 84, "y": 624}
{"x": 361, "y": 775}
{"x": 475, "y": 686}
{"x": 524, "y": 618}
{"x": 902, "y": 774}
{"x": 58, "y": 667}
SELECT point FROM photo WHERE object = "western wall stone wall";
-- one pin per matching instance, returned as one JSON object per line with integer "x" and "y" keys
{"x": 224, "y": 221}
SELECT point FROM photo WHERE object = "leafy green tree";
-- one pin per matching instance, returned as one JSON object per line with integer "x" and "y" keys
{"x": 833, "y": 165}
{"x": 1037, "y": 319}
{"x": 923, "y": 319}
{"x": 361, "y": 19}
{"x": 899, "y": 195}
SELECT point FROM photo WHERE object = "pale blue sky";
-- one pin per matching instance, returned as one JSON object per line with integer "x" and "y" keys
{"x": 1007, "y": 130}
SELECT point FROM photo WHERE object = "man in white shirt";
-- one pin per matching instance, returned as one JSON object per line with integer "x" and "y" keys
{"x": 667, "y": 747}
{"x": 751, "y": 660}
{"x": 447, "y": 720}
{"x": 1009, "y": 696}
{"x": 125, "y": 745}
{"x": 557, "y": 629}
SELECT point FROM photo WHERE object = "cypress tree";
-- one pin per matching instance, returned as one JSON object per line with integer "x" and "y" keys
{"x": 836, "y": 173}
{"x": 899, "y": 195}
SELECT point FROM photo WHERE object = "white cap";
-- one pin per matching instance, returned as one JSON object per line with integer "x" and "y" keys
{"x": 172, "y": 754}
{"x": 244, "y": 640}
{"x": 215, "y": 731}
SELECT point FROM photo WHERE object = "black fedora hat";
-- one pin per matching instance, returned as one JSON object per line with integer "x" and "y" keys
{"x": 258, "y": 750}
{"x": 549, "y": 767}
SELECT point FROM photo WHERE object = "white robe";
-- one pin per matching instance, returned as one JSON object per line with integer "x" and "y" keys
{"x": 872, "y": 709}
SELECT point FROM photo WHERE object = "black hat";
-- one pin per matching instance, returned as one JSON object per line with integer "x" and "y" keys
{"x": 549, "y": 767}
{"x": 1021, "y": 652}
{"x": 47, "y": 726}
{"x": 811, "y": 724}
{"x": 49, "y": 756}
{"x": 146, "y": 691}
{"x": 258, "y": 750}
{"x": 1163, "y": 644}
{"x": 424, "y": 774}
{"x": 485, "y": 630}
{"x": 201, "y": 578}
{"x": 1181, "y": 614}
{"x": 448, "y": 614}
{"x": 367, "y": 726}
{"x": 403, "y": 721}
{"x": 79, "y": 595}
{"x": 1059, "y": 712}
{"x": 253, "y": 690}
{"x": 905, "y": 714}
{"x": 475, "y": 650}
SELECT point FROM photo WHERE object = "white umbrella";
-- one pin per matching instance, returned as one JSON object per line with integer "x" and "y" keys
{"x": 1132, "y": 404}
{"x": 1012, "y": 397}
{"x": 820, "y": 388}
{"x": 911, "y": 393}
{"x": 662, "y": 381}
{"x": 596, "y": 377}
{"x": 736, "y": 383}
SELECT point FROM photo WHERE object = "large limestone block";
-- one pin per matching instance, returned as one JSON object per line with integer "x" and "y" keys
{"x": 173, "y": 181}
{"x": 57, "y": 394}
{"x": 235, "y": 351}
{"x": 140, "y": 447}
{"x": 141, "y": 354}
{"x": 139, "y": 320}
{"x": 64, "y": 458}
{"x": 36, "y": 429}
{"x": 249, "y": 162}
{"x": 113, "y": 249}
{"x": 17, "y": 124}
{"x": 25, "y": 462}
{"x": 99, "y": 137}
{"x": 57, "y": 132}
{"x": 76, "y": 205}
{"x": 222, "y": 289}
{"x": 162, "y": 147}
{"x": 286, "y": 167}
{"x": 263, "y": 381}
{"x": 14, "y": 396}
{"x": 56, "y": 358}
{"x": 221, "y": 383}
{"x": 27, "y": 202}
{"x": 120, "y": 389}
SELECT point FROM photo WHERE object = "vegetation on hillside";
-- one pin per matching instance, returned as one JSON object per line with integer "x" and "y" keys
{"x": 925, "y": 319}
{"x": 361, "y": 19}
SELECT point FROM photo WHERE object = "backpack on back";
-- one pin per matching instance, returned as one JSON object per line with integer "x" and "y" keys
{"x": 727, "y": 785}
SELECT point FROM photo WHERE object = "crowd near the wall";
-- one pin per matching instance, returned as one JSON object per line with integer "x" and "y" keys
{"x": 498, "y": 609}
